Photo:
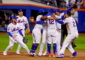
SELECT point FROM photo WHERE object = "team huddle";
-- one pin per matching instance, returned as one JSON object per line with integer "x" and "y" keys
{"x": 50, "y": 25}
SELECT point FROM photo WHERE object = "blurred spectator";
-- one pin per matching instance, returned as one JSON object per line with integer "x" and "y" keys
{"x": 70, "y": 3}
{"x": 49, "y": 2}
{"x": 79, "y": 3}
{"x": 58, "y": 3}
{"x": 0, "y": 1}
{"x": 4, "y": 19}
{"x": 62, "y": 4}
{"x": 83, "y": 4}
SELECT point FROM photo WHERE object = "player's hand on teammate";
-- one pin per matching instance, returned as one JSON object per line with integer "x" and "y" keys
{"x": 43, "y": 18}
{"x": 27, "y": 31}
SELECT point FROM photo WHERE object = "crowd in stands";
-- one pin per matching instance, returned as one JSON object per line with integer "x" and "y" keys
{"x": 4, "y": 19}
{"x": 64, "y": 3}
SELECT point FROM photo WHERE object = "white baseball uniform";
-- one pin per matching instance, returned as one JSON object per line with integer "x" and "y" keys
{"x": 37, "y": 31}
{"x": 14, "y": 30}
{"x": 21, "y": 21}
{"x": 51, "y": 31}
{"x": 72, "y": 34}
{"x": 44, "y": 38}
{"x": 59, "y": 32}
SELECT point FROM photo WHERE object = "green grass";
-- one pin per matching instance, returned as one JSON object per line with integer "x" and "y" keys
{"x": 4, "y": 41}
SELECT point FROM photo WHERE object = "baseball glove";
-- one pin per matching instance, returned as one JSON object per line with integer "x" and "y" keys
{"x": 25, "y": 40}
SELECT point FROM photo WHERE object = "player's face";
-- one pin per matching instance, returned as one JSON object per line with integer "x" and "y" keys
{"x": 14, "y": 21}
{"x": 20, "y": 13}
{"x": 66, "y": 15}
{"x": 57, "y": 13}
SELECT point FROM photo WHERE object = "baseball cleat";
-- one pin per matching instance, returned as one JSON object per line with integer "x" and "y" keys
{"x": 33, "y": 54}
{"x": 4, "y": 53}
{"x": 60, "y": 56}
{"x": 45, "y": 53}
{"x": 17, "y": 52}
{"x": 75, "y": 54}
{"x": 40, "y": 54}
{"x": 54, "y": 55}
{"x": 49, "y": 55}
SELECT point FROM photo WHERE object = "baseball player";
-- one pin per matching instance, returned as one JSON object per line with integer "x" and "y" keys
{"x": 52, "y": 34}
{"x": 44, "y": 35}
{"x": 43, "y": 42}
{"x": 22, "y": 21}
{"x": 37, "y": 33}
{"x": 15, "y": 35}
{"x": 72, "y": 34}
{"x": 58, "y": 14}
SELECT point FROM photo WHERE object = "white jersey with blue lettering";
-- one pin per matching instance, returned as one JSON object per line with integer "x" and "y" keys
{"x": 22, "y": 21}
{"x": 51, "y": 23}
{"x": 71, "y": 25}
{"x": 51, "y": 30}
{"x": 13, "y": 29}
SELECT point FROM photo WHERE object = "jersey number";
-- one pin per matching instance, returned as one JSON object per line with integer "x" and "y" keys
{"x": 74, "y": 24}
{"x": 51, "y": 21}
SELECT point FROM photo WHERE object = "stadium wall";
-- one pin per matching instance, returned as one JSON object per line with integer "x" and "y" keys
{"x": 28, "y": 8}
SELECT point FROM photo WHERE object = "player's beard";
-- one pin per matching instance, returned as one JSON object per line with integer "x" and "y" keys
{"x": 15, "y": 22}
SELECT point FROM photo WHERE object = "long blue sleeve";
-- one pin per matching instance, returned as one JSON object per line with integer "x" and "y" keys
{"x": 9, "y": 34}
{"x": 48, "y": 14}
{"x": 68, "y": 10}
{"x": 40, "y": 22}
{"x": 59, "y": 21}
{"x": 20, "y": 32}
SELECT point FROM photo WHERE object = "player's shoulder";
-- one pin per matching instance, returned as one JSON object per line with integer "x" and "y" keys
{"x": 24, "y": 17}
{"x": 69, "y": 18}
{"x": 39, "y": 15}
{"x": 10, "y": 25}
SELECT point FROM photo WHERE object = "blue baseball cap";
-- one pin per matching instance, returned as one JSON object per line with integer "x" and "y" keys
{"x": 20, "y": 10}
{"x": 13, "y": 17}
{"x": 51, "y": 10}
{"x": 41, "y": 11}
{"x": 58, "y": 10}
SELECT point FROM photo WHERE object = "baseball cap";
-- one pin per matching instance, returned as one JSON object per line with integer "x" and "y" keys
{"x": 20, "y": 10}
{"x": 41, "y": 11}
{"x": 13, "y": 17}
{"x": 51, "y": 10}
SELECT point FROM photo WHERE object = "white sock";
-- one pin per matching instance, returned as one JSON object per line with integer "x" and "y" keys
{"x": 71, "y": 48}
{"x": 19, "y": 47}
{"x": 41, "y": 47}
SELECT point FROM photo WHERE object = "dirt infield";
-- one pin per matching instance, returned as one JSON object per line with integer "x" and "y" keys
{"x": 25, "y": 56}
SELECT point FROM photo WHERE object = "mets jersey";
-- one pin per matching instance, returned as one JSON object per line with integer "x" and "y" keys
{"x": 13, "y": 28}
{"x": 22, "y": 21}
{"x": 71, "y": 25}
{"x": 38, "y": 25}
